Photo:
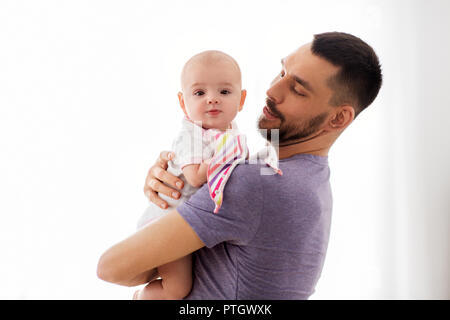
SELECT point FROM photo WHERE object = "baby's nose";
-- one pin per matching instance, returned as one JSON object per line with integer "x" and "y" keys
{"x": 213, "y": 100}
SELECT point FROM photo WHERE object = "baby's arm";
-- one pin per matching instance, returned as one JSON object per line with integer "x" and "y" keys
{"x": 195, "y": 174}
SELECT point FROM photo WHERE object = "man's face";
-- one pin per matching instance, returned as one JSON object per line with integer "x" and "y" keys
{"x": 297, "y": 101}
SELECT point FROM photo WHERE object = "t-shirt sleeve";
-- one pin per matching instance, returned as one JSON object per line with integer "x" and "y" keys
{"x": 237, "y": 220}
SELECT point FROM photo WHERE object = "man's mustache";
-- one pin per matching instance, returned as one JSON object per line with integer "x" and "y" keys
{"x": 272, "y": 107}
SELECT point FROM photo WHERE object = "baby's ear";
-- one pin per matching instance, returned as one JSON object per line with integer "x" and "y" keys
{"x": 243, "y": 96}
{"x": 181, "y": 100}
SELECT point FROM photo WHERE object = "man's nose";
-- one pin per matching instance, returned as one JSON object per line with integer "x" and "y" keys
{"x": 275, "y": 91}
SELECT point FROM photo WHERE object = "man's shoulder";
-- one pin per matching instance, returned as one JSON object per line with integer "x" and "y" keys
{"x": 244, "y": 184}
{"x": 247, "y": 173}
{"x": 242, "y": 199}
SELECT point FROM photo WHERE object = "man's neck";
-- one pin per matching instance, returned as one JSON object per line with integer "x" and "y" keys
{"x": 289, "y": 151}
{"x": 318, "y": 145}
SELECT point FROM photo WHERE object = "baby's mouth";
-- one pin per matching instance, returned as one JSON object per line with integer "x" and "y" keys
{"x": 213, "y": 112}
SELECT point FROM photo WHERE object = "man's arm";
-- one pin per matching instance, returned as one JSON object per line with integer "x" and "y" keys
{"x": 133, "y": 260}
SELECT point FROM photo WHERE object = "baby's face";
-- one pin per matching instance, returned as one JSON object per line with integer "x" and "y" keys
{"x": 212, "y": 93}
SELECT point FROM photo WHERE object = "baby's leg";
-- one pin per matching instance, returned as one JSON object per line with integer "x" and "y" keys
{"x": 175, "y": 284}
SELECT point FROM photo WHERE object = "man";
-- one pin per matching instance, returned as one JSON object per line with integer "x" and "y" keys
{"x": 270, "y": 237}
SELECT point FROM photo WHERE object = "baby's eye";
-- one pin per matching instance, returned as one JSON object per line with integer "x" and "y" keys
{"x": 225, "y": 91}
{"x": 198, "y": 93}
{"x": 282, "y": 74}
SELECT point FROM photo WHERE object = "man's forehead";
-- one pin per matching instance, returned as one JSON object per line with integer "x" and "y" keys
{"x": 304, "y": 64}
{"x": 301, "y": 52}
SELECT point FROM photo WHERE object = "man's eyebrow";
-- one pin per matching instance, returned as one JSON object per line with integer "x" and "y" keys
{"x": 304, "y": 83}
{"x": 300, "y": 81}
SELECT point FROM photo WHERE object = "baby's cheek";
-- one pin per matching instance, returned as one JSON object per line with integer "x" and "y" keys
{"x": 232, "y": 114}
{"x": 198, "y": 116}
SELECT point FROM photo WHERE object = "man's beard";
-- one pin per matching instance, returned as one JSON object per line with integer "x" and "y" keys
{"x": 289, "y": 132}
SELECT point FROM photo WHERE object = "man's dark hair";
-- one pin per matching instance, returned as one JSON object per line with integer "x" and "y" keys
{"x": 359, "y": 77}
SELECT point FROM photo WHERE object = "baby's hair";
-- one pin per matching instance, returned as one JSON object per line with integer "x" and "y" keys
{"x": 209, "y": 56}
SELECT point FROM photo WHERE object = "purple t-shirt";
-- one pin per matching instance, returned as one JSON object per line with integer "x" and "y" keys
{"x": 269, "y": 238}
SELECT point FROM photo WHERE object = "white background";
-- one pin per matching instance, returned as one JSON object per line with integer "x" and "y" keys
{"x": 88, "y": 99}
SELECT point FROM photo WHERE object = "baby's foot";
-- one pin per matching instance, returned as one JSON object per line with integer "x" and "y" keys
{"x": 136, "y": 295}
{"x": 152, "y": 291}
{"x": 145, "y": 294}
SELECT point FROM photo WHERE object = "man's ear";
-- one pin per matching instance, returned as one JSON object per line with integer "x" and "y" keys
{"x": 343, "y": 116}
{"x": 182, "y": 105}
{"x": 243, "y": 96}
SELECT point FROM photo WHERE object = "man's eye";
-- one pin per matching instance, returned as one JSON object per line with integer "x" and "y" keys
{"x": 199, "y": 93}
{"x": 281, "y": 74}
{"x": 297, "y": 92}
{"x": 225, "y": 92}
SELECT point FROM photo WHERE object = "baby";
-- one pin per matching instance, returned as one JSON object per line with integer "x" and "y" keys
{"x": 211, "y": 97}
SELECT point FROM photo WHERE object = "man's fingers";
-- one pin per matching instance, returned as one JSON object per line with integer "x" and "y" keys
{"x": 160, "y": 181}
{"x": 164, "y": 158}
{"x": 166, "y": 155}
{"x": 162, "y": 163}
{"x": 159, "y": 187}
{"x": 153, "y": 197}
{"x": 166, "y": 177}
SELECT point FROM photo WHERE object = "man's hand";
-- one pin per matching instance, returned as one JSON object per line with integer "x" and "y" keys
{"x": 157, "y": 176}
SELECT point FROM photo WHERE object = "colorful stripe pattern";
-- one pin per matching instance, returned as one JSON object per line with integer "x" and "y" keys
{"x": 231, "y": 149}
